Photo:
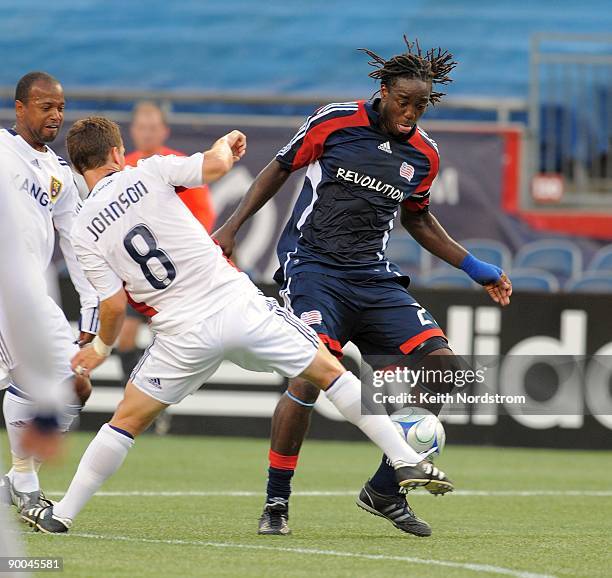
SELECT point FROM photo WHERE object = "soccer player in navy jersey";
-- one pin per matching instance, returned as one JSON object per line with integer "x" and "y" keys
{"x": 366, "y": 160}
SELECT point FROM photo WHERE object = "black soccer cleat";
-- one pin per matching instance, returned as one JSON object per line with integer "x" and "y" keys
{"x": 274, "y": 518}
{"x": 394, "y": 508}
{"x": 43, "y": 501}
{"x": 43, "y": 520}
{"x": 423, "y": 474}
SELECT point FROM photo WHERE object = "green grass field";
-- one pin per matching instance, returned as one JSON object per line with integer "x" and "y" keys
{"x": 522, "y": 513}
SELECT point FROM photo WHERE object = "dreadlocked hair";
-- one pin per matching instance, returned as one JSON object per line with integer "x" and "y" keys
{"x": 433, "y": 65}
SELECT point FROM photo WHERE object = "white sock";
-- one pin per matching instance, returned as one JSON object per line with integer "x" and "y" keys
{"x": 17, "y": 413}
{"x": 101, "y": 460}
{"x": 345, "y": 394}
{"x": 24, "y": 481}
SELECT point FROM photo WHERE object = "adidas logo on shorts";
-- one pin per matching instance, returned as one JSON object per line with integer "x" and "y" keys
{"x": 155, "y": 381}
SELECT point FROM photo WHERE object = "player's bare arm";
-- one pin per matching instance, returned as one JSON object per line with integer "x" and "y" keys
{"x": 428, "y": 232}
{"x": 431, "y": 235}
{"x": 220, "y": 158}
{"x": 112, "y": 314}
{"x": 267, "y": 183}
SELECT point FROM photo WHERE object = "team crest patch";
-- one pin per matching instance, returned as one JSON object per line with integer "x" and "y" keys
{"x": 55, "y": 189}
{"x": 312, "y": 317}
{"x": 407, "y": 171}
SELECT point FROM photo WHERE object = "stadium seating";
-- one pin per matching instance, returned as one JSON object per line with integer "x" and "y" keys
{"x": 565, "y": 129}
{"x": 533, "y": 280}
{"x": 602, "y": 260}
{"x": 405, "y": 252}
{"x": 294, "y": 62}
{"x": 490, "y": 251}
{"x": 448, "y": 279}
{"x": 542, "y": 266}
{"x": 591, "y": 282}
{"x": 560, "y": 257}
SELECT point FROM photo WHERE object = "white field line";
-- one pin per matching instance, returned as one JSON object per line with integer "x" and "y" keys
{"x": 478, "y": 568}
{"x": 247, "y": 494}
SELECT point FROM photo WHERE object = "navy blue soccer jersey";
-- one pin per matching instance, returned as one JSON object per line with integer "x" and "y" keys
{"x": 356, "y": 179}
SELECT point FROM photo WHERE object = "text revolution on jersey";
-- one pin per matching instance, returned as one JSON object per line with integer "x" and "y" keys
{"x": 369, "y": 183}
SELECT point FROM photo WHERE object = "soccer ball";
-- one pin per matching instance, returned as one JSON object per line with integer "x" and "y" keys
{"x": 421, "y": 429}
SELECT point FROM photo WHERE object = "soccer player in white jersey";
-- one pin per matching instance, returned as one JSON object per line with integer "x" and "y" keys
{"x": 136, "y": 240}
{"x": 43, "y": 188}
{"x": 30, "y": 335}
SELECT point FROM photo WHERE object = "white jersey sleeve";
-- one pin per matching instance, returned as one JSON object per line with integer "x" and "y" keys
{"x": 176, "y": 171}
{"x": 104, "y": 280}
{"x": 63, "y": 219}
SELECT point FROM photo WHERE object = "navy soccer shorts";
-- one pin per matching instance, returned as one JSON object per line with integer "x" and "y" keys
{"x": 379, "y": 316}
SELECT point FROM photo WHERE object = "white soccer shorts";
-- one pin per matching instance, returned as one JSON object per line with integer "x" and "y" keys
{"x": 254, "y": 333}
{"x": 62, "y": 347}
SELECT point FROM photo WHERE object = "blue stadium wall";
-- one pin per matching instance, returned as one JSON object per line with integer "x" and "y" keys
{"x": 277, "y": 47}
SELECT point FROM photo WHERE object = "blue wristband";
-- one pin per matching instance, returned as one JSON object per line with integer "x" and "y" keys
{"x": 479, "y": 271}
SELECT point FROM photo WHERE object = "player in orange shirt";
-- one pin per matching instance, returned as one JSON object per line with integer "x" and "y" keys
{"x": 149, "y": 131}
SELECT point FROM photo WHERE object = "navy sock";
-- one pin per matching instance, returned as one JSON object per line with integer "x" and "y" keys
{"x": 383, "y": 481}
{"x": 279, "y": 484}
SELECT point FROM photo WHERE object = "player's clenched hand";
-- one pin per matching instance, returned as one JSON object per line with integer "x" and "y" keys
{"x": 501, "y": 290}
{"x": 222, "y": 156}
{"x": 86, "y": 360}
{"x": 226, "y": 240}
{"x": 237, "y": 142}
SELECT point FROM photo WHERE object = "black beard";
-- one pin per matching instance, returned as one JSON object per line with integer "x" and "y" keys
{"x": 387, "y": 127}
{"x": 44, "y": 140}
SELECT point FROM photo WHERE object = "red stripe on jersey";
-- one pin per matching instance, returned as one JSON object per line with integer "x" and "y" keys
{"x": 140, "y": 307}
{"x": 332, "y": 344}
{"x": 418, "y": 142}
{"x": 415, "y": 341}
{"x": 281, "y": 462}
{"x": 230, "y": 262}
{"x": 414, "y": 205}
{"x": 314, "y": 141}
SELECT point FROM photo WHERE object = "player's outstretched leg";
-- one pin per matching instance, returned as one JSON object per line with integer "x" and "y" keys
{"x": 382, "y": 492}
{"x": 290, "y": 423}
{"x": 343, "y": 389}
{"x": 21, "y": 482}
{"x": 102, "y": 459}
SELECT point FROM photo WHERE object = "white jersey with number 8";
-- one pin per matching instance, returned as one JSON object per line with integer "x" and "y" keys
{"x": 134, "y": 232}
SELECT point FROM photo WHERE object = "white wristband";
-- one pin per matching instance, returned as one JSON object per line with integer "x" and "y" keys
{"x": 100, "y": 347}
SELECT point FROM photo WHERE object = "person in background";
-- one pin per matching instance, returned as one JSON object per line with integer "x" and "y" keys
{"x": 150, "y": 131}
